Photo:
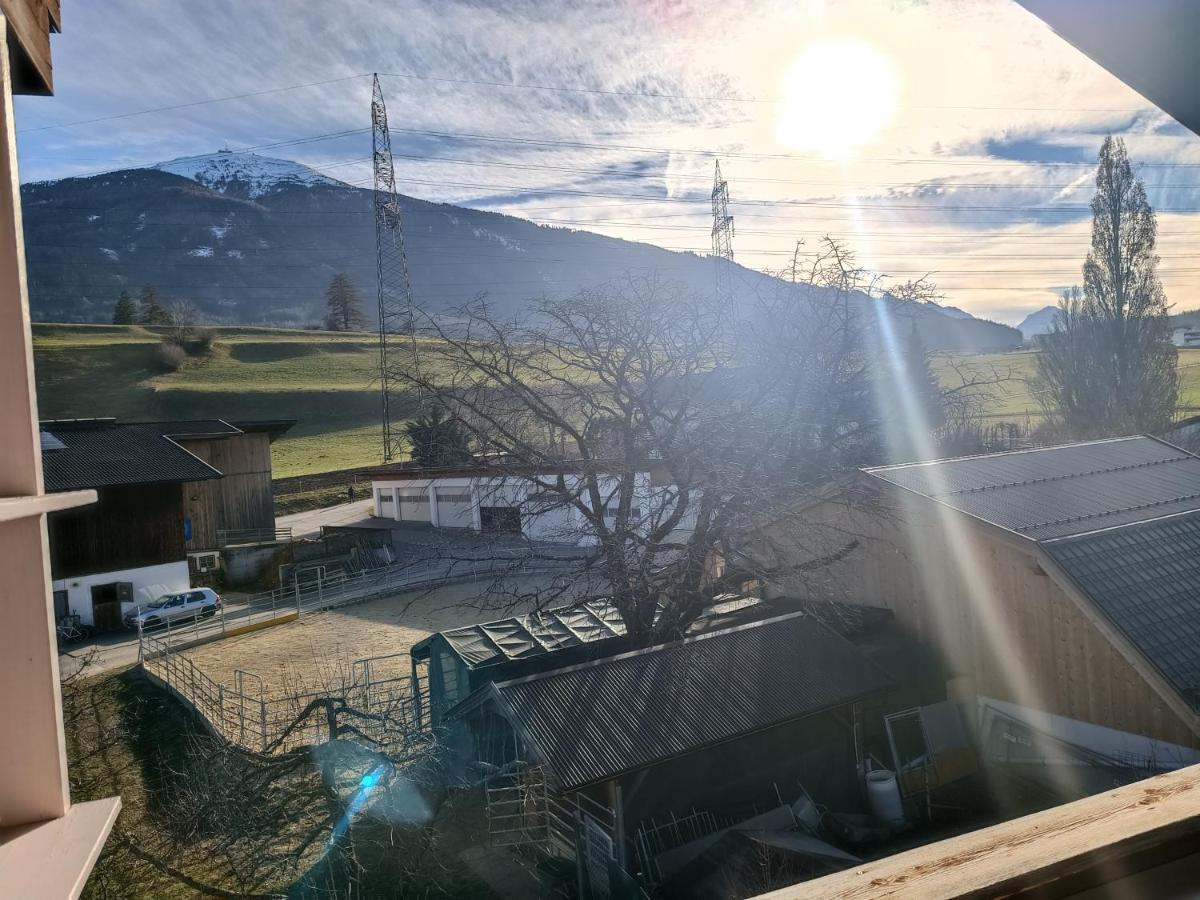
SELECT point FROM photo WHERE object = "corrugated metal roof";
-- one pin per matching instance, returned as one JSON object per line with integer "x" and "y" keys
{"x": 1058, "y": 491}
{"x": 104, "y": 453}
{"x": 1146, "y": 580}
{"x": 522, "y": 637}
{"x": 661, "y": 702}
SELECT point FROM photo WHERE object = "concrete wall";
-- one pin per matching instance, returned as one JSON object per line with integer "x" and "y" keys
{"x": 149, "y": 582}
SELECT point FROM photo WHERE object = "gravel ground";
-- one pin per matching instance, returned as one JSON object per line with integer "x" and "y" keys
{"x": 315, "y": 652}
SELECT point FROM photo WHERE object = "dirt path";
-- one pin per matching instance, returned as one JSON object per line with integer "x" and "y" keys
{"x": 316, "y": 652}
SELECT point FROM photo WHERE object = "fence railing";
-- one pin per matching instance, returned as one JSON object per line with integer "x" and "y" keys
{"x": 375, "y": 710}
{"x": 313, "y": 590}
{"x": 378, "y": 706}
{"x": 227, "y": 536}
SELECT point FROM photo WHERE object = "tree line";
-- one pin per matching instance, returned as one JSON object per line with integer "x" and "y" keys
{"x": 343, "y": 308}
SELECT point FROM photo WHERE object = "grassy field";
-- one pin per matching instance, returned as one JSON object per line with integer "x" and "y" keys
{"x": 327, "y": 382}
{"x": 1012, "y": 398}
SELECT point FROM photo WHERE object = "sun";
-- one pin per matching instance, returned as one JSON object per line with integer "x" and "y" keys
{"x": 836, "y": 95}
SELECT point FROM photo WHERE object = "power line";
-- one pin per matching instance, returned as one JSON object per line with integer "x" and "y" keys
{"x": 189, "y": 104}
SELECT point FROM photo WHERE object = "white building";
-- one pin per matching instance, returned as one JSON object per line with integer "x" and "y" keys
{"x": 1185, "y": 336}
{"x": 476, "y": 499}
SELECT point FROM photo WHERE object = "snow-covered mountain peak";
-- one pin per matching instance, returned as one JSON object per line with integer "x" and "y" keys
{"x": 246, "y": 174}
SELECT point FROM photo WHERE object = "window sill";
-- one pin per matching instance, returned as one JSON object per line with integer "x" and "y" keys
{"x": 53, "y": 859}
{"x": 12, "y": 508}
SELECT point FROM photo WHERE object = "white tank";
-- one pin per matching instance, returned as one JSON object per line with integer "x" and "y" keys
{"x": 883, "y": 796}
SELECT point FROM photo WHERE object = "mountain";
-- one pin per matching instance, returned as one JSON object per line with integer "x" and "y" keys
{"x": 255, "y": 240}
{"x": 1040, "y": 322}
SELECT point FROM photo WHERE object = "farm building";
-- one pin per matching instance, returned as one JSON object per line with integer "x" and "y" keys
{"x": 477, "y": 499}
{"x": 1059, "y": 586}
{"x": 717, "y": 721}
{"x": 162, "y": 501}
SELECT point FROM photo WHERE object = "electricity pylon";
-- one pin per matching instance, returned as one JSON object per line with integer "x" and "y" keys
{"x": 397, "y": 313}
{"x": 722, "y": 238}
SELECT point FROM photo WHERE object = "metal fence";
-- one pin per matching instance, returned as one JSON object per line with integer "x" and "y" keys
{"x": 375, "y": 705}
{"x": 227, "y": 536}
{"x": 314, "y": 590}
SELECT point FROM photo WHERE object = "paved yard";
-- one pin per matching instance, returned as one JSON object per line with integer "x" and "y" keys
{"x": 315, "y": 653}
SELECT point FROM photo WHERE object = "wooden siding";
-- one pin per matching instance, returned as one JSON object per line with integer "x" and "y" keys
{"x": 29, "y": 25}
{"x": 241, "y": 499}
{"x": 982, "y": 599}
{"x": 127, "y": 528}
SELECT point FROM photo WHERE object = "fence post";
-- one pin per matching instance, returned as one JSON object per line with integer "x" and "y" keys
{"x": 262, "y": 705}
{"x": 320, "y": 592}
{"x": 221, "y": 706}
{"x": 296, "y": 581}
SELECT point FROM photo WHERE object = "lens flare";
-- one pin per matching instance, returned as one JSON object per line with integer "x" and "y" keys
{"x": 837, "y": 95}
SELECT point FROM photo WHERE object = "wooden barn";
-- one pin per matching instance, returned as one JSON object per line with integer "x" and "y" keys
{"x": 162, "y": 496}
{"x": 1060, "y": 587}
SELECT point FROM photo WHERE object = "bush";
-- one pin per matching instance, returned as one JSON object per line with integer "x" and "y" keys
{"x": 198, "y": 342}
{"x": 169, "y": 357}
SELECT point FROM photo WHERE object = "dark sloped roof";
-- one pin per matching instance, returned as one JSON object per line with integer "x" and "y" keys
{"x": 591, "y": 722}
{"x": 1058, "y": 491}
{"x": 103, "y": 453}
{"x": 522, "y": 637}
{"x": 1146, "y": 580}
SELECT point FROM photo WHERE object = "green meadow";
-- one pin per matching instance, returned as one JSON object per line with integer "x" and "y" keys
{"x": 328, "y": 383}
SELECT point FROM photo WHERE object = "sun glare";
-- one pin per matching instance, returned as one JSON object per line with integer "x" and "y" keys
{"x": 836, "y": 95}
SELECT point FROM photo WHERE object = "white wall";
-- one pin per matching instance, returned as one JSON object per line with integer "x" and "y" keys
{"x": 550, "y": 525}
{"x": 149, "y": 582}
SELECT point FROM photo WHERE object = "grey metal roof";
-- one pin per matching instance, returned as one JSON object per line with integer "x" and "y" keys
{"x": 103, "y": 453}
{"x": 522, "y": 637}
{"x": 655, "y": 704}
{"x": 1145, "y": 579}
{"x": 1058, "y": 491}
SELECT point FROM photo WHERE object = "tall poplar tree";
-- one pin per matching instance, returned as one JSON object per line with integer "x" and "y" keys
{"x": 1108, "y": 368}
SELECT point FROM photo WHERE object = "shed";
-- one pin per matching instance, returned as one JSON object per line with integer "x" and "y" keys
{"x": 649, "y": 706}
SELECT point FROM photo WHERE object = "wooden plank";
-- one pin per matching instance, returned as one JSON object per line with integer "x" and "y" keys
{"x": 53, "y": 859}
{"x": 1025, "y": 853}
{"x": 12, "y": 508}
{"x": 33, "y": 768}
{"x": 29, "y": 23}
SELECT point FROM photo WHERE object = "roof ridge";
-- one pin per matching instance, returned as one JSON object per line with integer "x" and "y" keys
{"x": 657, "y": 648}
{"x": 1065, "y": 538}
{"x": 917, "y": 464}
{"x": 1048, "y": 478}
{"x": 1110, "y": 512}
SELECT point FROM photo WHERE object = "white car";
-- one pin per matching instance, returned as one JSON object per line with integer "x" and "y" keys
{"x": 186, "y": 605}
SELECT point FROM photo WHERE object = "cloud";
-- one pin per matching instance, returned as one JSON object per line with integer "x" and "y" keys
{"x": 982, "y": 174}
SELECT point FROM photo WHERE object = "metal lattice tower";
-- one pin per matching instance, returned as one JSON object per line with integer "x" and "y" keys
{"x": 397, "y": 313}
{"x": 722, "y": 237}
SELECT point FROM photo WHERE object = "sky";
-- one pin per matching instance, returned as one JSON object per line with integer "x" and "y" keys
{"x": 954, "y": 138}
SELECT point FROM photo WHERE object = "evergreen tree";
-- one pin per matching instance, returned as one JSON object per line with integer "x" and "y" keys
{"x": 153, "y": 312}
{"x": 125, "y": 312}
{"x": 1108, "y": 368}
{"x": 438, "y": 439}
{"x": 343, "y": 307}
{"x": 923, "y": 380}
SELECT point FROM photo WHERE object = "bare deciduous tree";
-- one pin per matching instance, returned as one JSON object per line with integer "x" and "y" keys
{"x": 655, "y": 428}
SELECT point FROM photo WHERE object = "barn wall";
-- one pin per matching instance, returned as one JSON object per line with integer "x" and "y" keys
{"x": 241, "y": 499}
{"x": 128, "y": 528}
{"x": 985, "y": 604}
